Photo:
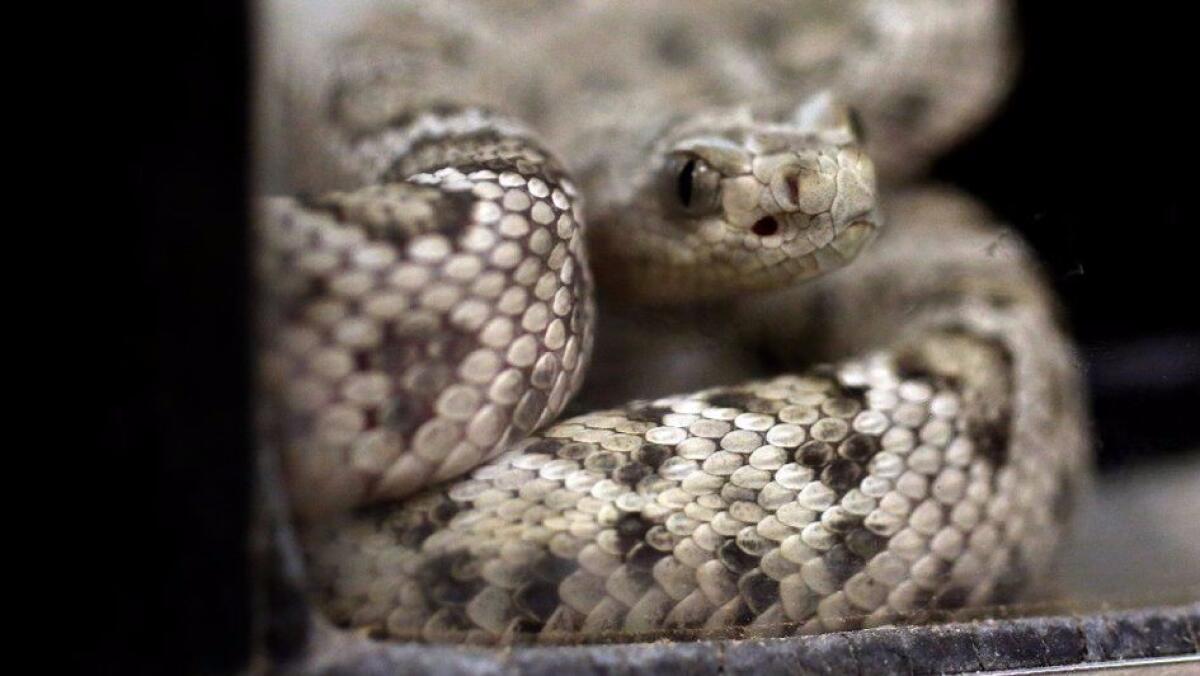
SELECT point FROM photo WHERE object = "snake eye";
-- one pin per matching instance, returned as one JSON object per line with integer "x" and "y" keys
{"x": 684, "y": 183}
{"x": 693, "y": 185}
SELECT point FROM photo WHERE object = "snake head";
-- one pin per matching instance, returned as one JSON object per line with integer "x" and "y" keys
{"x": 741, "y": 200}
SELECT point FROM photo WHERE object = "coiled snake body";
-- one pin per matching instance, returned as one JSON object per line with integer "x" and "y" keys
{"x": 427, "y": 323}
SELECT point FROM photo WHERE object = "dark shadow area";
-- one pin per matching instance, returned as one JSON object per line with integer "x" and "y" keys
{"x": 1091, "y": 159}
{"x": 161, "y": 554}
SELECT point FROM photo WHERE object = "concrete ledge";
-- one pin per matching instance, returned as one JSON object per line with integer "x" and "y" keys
{"x": 949, "y": 648}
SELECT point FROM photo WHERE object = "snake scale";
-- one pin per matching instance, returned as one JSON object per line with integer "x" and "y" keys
{"x": 908, "y": 441}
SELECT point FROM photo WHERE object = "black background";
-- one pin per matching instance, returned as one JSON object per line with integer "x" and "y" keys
{"x": 1092, "y": 158}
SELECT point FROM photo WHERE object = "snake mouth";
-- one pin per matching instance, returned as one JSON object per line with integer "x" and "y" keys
{"x": 851, "y": 241}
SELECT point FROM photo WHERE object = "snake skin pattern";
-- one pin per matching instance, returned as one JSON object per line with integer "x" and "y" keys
{"x": 429, "y": 312}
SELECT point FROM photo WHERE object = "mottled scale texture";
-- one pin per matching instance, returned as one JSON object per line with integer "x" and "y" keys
{"x": 417, "y": 328}
{"x": 833, "y": 500}
{"x": 465, "y": 170}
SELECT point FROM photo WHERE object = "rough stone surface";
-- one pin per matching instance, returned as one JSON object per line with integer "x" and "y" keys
{"x": 969, "y": 646}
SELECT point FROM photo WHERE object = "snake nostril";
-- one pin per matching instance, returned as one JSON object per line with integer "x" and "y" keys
{"x": 793, "y": 189}
{"x": 765, "y": 226}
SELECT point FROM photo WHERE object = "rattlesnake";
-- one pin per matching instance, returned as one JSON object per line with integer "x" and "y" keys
{"x": 428, "y": 313}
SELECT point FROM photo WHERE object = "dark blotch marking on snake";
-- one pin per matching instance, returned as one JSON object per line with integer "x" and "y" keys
{"x": 652, "y": 455}
{"x": 992, "y": 437}
{"x": 575, "y": 451}
{"x": 631, "y": 473}
{"x": 759, "y": 591}
{"x": 842, "y": 563}
{"x": 661, "y": 539}
{"x": 735, "y": 558}
{"x": 646, "y": 413}
{"x": 841, "y": 475}
{"x": 858, "y": 447}
{"x": 551, "y": 568}
{"x": 815, "y": 454}
{"x": 865, "y": 544}
{"x": 448, "y": 579}
{"x": 445, "y": 510}
{"x": 839, "y": 520}
{"x": 1013, "y": 580}
{"x": 731, "y": 400}
{"x": 398, "y": 121}
{"x": 543, "y": 447}
{"x": 410, "y": 529}
{"x": 603, "y": 462}
{"x": 675, "y": 46}
{"x": 451, "y": 621}
{"x": 631, "y": 528}
{"x": 991, "y": 433}
{"x": 537, "y": 601}
{"x": 910, "y": 109}
{"x": 950, "y": 598}
{"x": 402, "y": 415}
{"x": 732, "y": 493}
{"x": 766, "y": 30}
{"x": 643, "y": 557}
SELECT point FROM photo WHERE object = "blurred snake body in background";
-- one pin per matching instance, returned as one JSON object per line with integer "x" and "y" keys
{"x": 812, "y": 394}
